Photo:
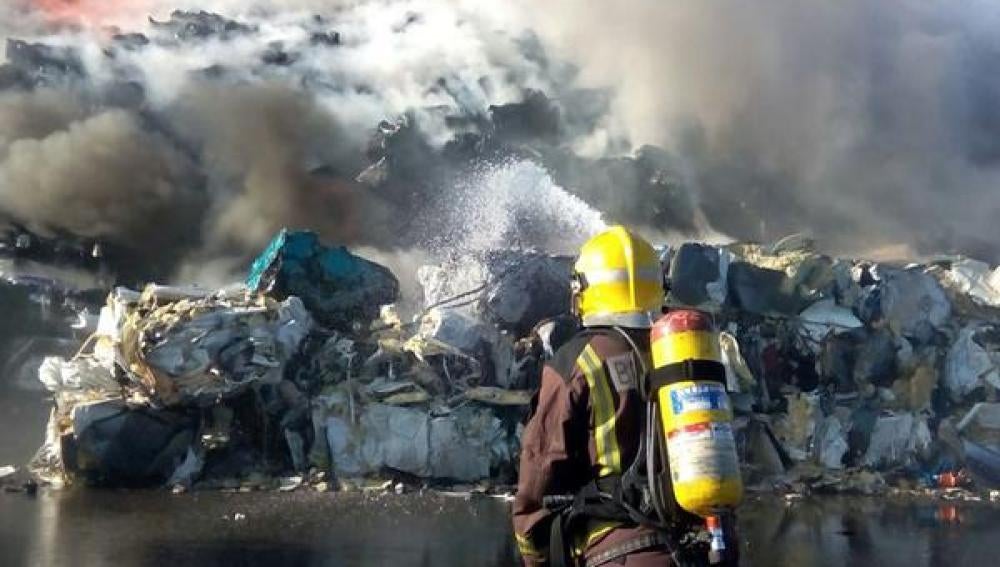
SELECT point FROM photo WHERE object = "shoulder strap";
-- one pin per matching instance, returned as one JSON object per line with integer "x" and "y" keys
{"x": 566, "y": 356}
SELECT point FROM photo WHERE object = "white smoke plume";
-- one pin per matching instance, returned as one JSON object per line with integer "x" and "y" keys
{"x": 206, "y": 145}
{"x": 866, "y": 124}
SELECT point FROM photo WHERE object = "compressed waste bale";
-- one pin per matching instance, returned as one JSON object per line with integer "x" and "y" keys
{"x": 448, "y": 331}
{"x": 983, "y": 463}
{"x": 739, "y": 378}
{"x": 897, "y": 440}
{"x": 114, "y": 444}
{"x": 813, "y": 278}
{"x": 875, "y": 361}
{"x": 805, "y": 276}
{"x": 836, "y": 361}
{"x": 405, "y": 445}
{"x": 831, "y": 443}
{"x": 456, "y": 453}
{"x": 79, "y": 380}
{"x": 344, "y": 457}
{"x": 968, "y": 365}
{"x": 468, "y": 444}
{"x": 798, "y": 426}
{"x": 453, "y": 455}
{"x": 524, "y": 288}
{"x": 914, "y": 392}
{"x": 826, "y": 316}
{"x": 975, "y": 280}
{"x": 455, "y": 333}
{"x": 512, "y": 289}
{"x": 698, "y": 274}
{"x": 762, "y": 291}
{"x": 337, "y": 287}
{"x": 464, "y": 445}
{"x": 981, "y": 424}
{"x": 394, "y": 437}
{"x": 201, "y": 350}
{"x": 914, "y": 304}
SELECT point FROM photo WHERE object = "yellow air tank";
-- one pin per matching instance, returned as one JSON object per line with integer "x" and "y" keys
{"x": 689, "y": 385}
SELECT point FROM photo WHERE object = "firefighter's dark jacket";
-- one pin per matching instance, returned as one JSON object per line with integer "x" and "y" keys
{"x": 586, "y": 424}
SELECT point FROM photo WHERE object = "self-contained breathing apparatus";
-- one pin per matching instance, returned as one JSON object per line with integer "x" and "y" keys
{"x": 686, "y": 471}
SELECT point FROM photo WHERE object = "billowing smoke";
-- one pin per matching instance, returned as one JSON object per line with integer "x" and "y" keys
{"x": 193, "y": 138}
{"x": 866, "y": 123}
{"x": 256, "y": 143}
{"x": 103, "y": 176}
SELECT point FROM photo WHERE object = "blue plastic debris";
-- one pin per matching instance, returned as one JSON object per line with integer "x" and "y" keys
{"x": 337, "y": 287}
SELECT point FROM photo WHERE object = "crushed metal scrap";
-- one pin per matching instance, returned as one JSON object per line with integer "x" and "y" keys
{"x": 847, "y": 376}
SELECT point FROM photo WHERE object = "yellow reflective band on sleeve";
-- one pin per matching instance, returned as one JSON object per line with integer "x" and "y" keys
{"x": 609, "y": 456}
{"x": 525, "y": 546}
{"x": 594, "y": 534}
{"x": 600, "y": 531}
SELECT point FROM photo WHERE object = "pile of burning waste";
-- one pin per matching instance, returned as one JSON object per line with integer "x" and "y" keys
{"x": 845, "y": 375}
{"x": 850, "y": 375}
{"x": 306, "y": 369}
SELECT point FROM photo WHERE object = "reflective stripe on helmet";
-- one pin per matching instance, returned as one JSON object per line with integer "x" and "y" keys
{"x": 643, "y": 273}
{"x": 609, "y": 457}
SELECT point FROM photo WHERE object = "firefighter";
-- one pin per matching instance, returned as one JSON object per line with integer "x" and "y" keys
{"x": 587, "y": 422}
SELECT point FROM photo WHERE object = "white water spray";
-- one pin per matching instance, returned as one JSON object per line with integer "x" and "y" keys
{"x": 514, "y": 204}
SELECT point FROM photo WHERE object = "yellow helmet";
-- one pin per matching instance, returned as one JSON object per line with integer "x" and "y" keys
{"x": 617, "y": 280}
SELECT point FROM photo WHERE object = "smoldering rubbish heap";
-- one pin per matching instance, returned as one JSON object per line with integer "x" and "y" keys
{"x": 846, "y": 375}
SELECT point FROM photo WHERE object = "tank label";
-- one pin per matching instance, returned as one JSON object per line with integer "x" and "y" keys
{"x": 703, "y": 451}
{"x": 699, "y": 397}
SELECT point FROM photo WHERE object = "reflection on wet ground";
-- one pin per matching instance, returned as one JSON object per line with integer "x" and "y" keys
{"x": 22, "y": 425}
{"x": 155, "y": 528}
{"x": 869, "y": 531}
{"x": 131, "y": 528}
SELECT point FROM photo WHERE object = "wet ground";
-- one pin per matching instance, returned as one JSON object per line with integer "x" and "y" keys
{"x": 100, "y": 527}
